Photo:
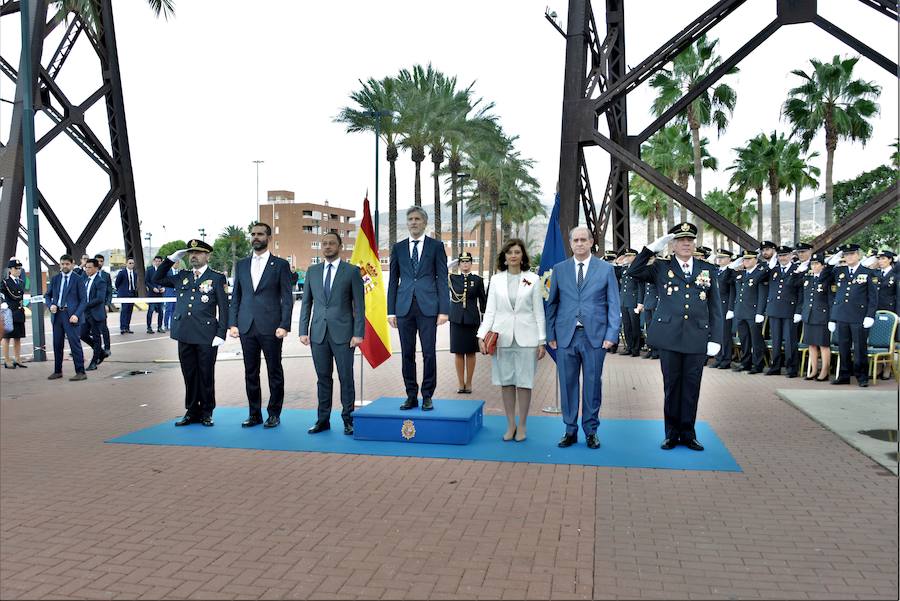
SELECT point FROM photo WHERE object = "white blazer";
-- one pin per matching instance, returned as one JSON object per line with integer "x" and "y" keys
{"x": 523, "y": 322}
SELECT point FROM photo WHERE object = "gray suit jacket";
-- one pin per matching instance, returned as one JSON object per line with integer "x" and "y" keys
{"x": 343, "y": 314}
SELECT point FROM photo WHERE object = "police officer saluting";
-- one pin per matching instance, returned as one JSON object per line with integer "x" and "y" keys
{"x": 686, "y": 328}
{"x": 852, "y": 313}
{"x": 199, "y": 324}
{"x": 631, "y": 294}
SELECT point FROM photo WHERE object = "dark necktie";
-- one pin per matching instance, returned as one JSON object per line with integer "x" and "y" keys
{"x": 580, "y": 274}
{"x": 328, "y": 283}
{"x": 687, "y": 270}
{"x": 131, "y": 281}
{"x": 415, "y": 256}
{"x": 62, "y": 291}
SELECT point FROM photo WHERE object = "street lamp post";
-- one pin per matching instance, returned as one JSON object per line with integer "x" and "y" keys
{"x": 258, "y": 163}
{"x": 149, "y": 237}
{"x": 202, "y": 231}
{"x": 462, "y": 211}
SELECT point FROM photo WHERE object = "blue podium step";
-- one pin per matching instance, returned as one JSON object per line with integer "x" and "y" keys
{"x": 451, "y": 422}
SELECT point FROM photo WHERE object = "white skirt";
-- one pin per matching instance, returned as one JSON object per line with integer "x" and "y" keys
{"x": 514, "y": 366}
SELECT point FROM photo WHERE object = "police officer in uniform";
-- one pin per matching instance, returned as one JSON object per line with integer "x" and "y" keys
{"x": 853, "y": 313}
{"x": 631, "y": 294}
{"x": 780, "y": 309}
{"x": 467, "y": 303}
{"x": 199, "y": 324}
{"x": 888, "y": 293}
{"x": 686, "y": 328}
{"x": 651, "y": 301}
{"x": 725, "y": 278}
{"x": 767, "y": 253}
{"x": 813, "y": 309}
{"x": 748, "y": 306}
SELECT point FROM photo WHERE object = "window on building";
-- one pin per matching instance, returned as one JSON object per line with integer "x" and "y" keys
{"x": 308, "y": 228}
{"x": 315, "y": 245}
{"x": 307, "y": 213}
{"x": 276, "y": 214}
{"x": 276, "y": 227}
{"x": 276, "y": 245}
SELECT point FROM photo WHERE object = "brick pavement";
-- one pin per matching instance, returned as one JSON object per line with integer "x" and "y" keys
{"x": 809, "y": 517}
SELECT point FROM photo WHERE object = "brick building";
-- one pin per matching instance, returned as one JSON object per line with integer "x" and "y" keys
{"x": 298, "y": 226}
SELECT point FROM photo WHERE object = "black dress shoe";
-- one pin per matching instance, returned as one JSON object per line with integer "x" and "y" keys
{"x": 840, "y": 381}
{"x": 91, "y": 366}
{"x": 78, "y": 377}
{"x": 593, "y": 441}
{"x": 272, "y": 421}
{"x": 150, "y": 331}
{"x": 791, "y": 374}
{"x": 319, "y": 428}
{"x": 251, "y": 421}
{"x": 773, "y": 372}
{"x": 427, "y": 405}
{"x": 668, "y": 444}
{"x": 184, "y": 421}
{"x": 348, "y": 429}
{"x": 409, "y": 404}
{"x": 693, "y": 444}
{"x": 162, "y": 330}
{"x": 739, "y": 368}
{"x": 207, "y": 422}
{"x": 863, "y": 383}
{"x": 567, "y": 440}
{"x": 724, "y": 366}
{"x": 754, "y": 371}
{"x": 54, "y": 376}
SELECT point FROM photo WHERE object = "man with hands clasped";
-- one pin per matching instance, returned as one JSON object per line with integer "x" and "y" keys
{"x": 852, "y": 313}
{"x": 199, "y": 324}
{"x": 747, "y": 307}
{"x": 686, "y": 328}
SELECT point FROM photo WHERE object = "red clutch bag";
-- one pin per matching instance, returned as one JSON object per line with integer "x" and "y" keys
{"x": 490, "y": 342}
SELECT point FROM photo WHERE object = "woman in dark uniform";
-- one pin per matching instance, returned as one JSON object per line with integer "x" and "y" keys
{"x": 467, "y": 301}
{"x": 814, "y": 310}
{"x": 12, "y": 290}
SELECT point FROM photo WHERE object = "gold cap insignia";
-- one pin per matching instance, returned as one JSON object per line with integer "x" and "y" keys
{"x": 193, "y": 243}
{"x": 685, "y": 227}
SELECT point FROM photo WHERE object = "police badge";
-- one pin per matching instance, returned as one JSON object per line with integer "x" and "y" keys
{"x": 204, "y": 298}
{"x": 408, "y": 430}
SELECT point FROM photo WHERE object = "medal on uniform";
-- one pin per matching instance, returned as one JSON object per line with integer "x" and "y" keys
{"x": 671, "y": 274}
{"x": 184, "y": 281}
{"x": 669, "y": 291}
{"x": 676, "y": 288}
{"x": 204, "y": 298}
{"x": 841, "y": 277}
{"x": 703, "y": 296}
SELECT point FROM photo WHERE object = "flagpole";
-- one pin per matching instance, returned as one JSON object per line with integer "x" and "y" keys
{"x": 359, "y": 403}
{"x": 555, "y": 407}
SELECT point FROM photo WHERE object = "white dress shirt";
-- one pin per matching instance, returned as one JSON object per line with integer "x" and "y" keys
{"x": 90, "y": 281}
{"x": 200, "y": 272}
{"x": 586, "y": 263}
{"x": 690, "y": 265}
{"x": 334, "y": 269}
{"x": 421, "y": 242}
{"x": 131, "y": 282}
{"x": 257, "y": 267}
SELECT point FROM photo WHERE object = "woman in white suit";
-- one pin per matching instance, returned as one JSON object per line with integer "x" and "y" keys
{"x": 515, "y": 310}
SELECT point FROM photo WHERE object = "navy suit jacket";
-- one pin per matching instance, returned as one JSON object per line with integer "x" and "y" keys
{"x": 109, "y": 287}
{"x": 95, "y": 301}
{"x": 270, "y": 305}
{"x": 597, "y": 302}
{"x": 148, "y": 282}
{"x": 122, "y": 284}
{"x": 74, "y": 299}
{"x": 428, "y": 284}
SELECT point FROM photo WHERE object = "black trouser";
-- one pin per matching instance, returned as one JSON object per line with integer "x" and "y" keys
{"x": 198, "y": 367}
{"x": 858, "y": 335}
{"x": 631, "y": 323}
{"x": 325, "y": 356}
{"x": 753, "y": 345}
{"x": 125, "y": 310}
{"x": 681, "y": 381}
{"x": 646, "y": 320}
{"x": 90, "y": 335}
{"x": 251, "y": 344}
{"x": 104, "y": 331}
{"x": 158, "y": 308}
{"x": 783, "y": 335}
{"x": 426, "y": 326}
{"x": 723, "y": 357}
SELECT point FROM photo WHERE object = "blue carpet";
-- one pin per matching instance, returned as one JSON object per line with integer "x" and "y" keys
{"x": 625, "y": 442}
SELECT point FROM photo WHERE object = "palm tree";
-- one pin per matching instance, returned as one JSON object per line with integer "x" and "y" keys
{"x": 669, "y": 151}
{"x": 377, "y": 105}
{"x": 734, "y": 207}
{"x": 234, "y": 235}
{"x": 712, "y": 107}
{"x": 750, "y": 174}
{"x": 88, "y": 10}
{"x": 799, "y": 173}
{"x": 649, "y": 202}
{"x": 417, "y": 112}
{"x": 830, "y": 98}
{"x": 475, "y": 131}
{"x": 774, "y": 159}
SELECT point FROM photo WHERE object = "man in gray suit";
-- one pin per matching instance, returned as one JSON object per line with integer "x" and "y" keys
{"x": 333, "y": 293}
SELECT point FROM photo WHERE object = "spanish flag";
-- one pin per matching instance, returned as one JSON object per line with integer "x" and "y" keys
{"x": 376, "y": 346}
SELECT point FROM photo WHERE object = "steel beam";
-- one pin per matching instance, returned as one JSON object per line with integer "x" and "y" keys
{"x": 883, "y": 6}
{"x": 871, "y": 54}
{"x": 858, "y": 219}
{"x": 682, "y": 196}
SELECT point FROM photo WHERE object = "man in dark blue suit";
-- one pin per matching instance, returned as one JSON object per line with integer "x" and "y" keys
{"x": 94, "y": 311}
{"x": 104, "y": 327}
{"x": 687, "y": 327}
{"x": 583, "y": 318}
{"x": 126, "y": 287}
{"x": 781, "y": 305}
{"x": 725, "y": 279}
{"x": 260, "y": 313}
{"x": 853, "y": 313}
{"x": 418, "y": 302}
{"x": 66, "y": 301}
{"x": 154, "y": 291}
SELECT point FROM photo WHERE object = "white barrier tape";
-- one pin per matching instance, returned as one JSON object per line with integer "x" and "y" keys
{"x": 124, "y": 301}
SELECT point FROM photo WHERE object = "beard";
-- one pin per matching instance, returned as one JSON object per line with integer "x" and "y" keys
{"x": 259, "y": 244}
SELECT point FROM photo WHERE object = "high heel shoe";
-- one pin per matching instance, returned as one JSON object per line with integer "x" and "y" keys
{"x": 8, "y": 366}
{"x": 17, "y": 364}
{"x": 825, "y": 379}
{"x": 520, "y": 437}
{"x": 508, "y": 437}
{"x": 809, "y": 377}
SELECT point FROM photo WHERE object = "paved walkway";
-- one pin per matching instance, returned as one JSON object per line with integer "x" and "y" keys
{"x": 809, "y": 517}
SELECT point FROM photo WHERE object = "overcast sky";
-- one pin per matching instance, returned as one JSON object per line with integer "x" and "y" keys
{"x": 225, "y": 83}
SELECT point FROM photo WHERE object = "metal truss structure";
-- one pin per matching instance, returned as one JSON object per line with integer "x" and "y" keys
{"x": 597, "y": 83}
{"x": 68, "y": 118}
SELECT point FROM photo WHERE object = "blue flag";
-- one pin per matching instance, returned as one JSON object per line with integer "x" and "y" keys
{"x": 554, "y": 252}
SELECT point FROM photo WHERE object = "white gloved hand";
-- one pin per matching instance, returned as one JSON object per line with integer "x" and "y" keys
{"x": 868, "y": 322}
{"x": 832, "y": 326}
{"x": 729, "y": 314}
{"x": 636, "y": 311}
{"x": 797, "y": 317}
{"x": 218, "y": 341}
{"x": 712, "y": 348}
{"x": 3, "y": 306}
{"x": 759, "y": 318}
{"x": 661, "y": 243}
{"x": 773, "y": 261}
{"x": 802, "y": 267}
{"x": 835, "y": 258}
{"x": 177, "y": 255}
{"x": 869, "y": 261}
{"x": 736, "y": 263}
